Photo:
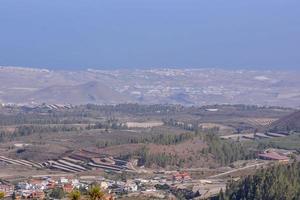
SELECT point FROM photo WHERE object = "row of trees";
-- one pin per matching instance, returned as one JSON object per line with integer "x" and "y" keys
{"x": 133, "y": 108}
{"x": 280, "y": 182}
{"x": 163, "y": 139}
{"x": 166, "y": 139}
{"x": 108, "y": 124}
{"x": 26, "y": 130}
{"x": 41, "y": 118}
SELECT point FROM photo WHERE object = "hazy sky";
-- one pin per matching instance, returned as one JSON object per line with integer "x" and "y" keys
{"x": 150, "y": 33}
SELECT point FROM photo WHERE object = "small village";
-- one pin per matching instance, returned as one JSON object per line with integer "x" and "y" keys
{"x": 117, "y": 181}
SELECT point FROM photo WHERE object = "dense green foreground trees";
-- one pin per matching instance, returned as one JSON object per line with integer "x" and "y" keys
{"x": 225, "y": 151}
{"x": 280, "y": 182}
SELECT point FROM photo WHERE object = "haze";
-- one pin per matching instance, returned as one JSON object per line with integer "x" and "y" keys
{"x": 140, "y": 33}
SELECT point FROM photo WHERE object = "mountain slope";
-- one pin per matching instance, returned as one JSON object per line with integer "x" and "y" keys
{"x": 288, "y": 123}
{"x": 91, "y": 92}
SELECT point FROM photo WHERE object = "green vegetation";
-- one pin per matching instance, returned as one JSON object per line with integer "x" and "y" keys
{"x": 165, "y": 139}
{"x": 74, "y": 195}
{"x": 280, "y": 182}
{"x": 162, "y": 139}
{"x": 108, "y": 124}
{"x": 136, "y": 109}
{"x": 42, "y": 117}
{"x": 2, "y": 195}
{"x": 26, "y": 130}
{"x": 160, "y": 159}
{"x": 225, "y": 151}
{"x": 57, "y": 193}
{"x": 95, "y": 193}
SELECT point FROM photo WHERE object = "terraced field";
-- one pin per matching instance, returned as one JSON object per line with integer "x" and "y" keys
{"x": 253, "y": 136}
{"x": 72, "y": 164}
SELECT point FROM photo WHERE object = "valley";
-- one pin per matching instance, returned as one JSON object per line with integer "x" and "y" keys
{"x": 207, "y": 146}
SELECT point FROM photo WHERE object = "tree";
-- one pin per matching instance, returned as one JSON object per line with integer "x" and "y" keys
{"x": 281, "y": 182}
{"x": 95, "y": 193}
{"x": 74, "y": 195}
{"x": 2, "y": 195}
{"x": 221, "y": 195}
{"x": 57, "y": 193}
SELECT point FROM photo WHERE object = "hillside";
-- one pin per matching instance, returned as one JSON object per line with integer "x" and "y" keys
{"x": 169, "y": 137}
{"x": 287, "y": 123}
{"x": 278, "y": 183}
{"x": 91, "y": 92}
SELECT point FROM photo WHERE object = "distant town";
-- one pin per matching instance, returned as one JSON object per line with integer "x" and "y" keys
{"x": 187, "y": 87}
